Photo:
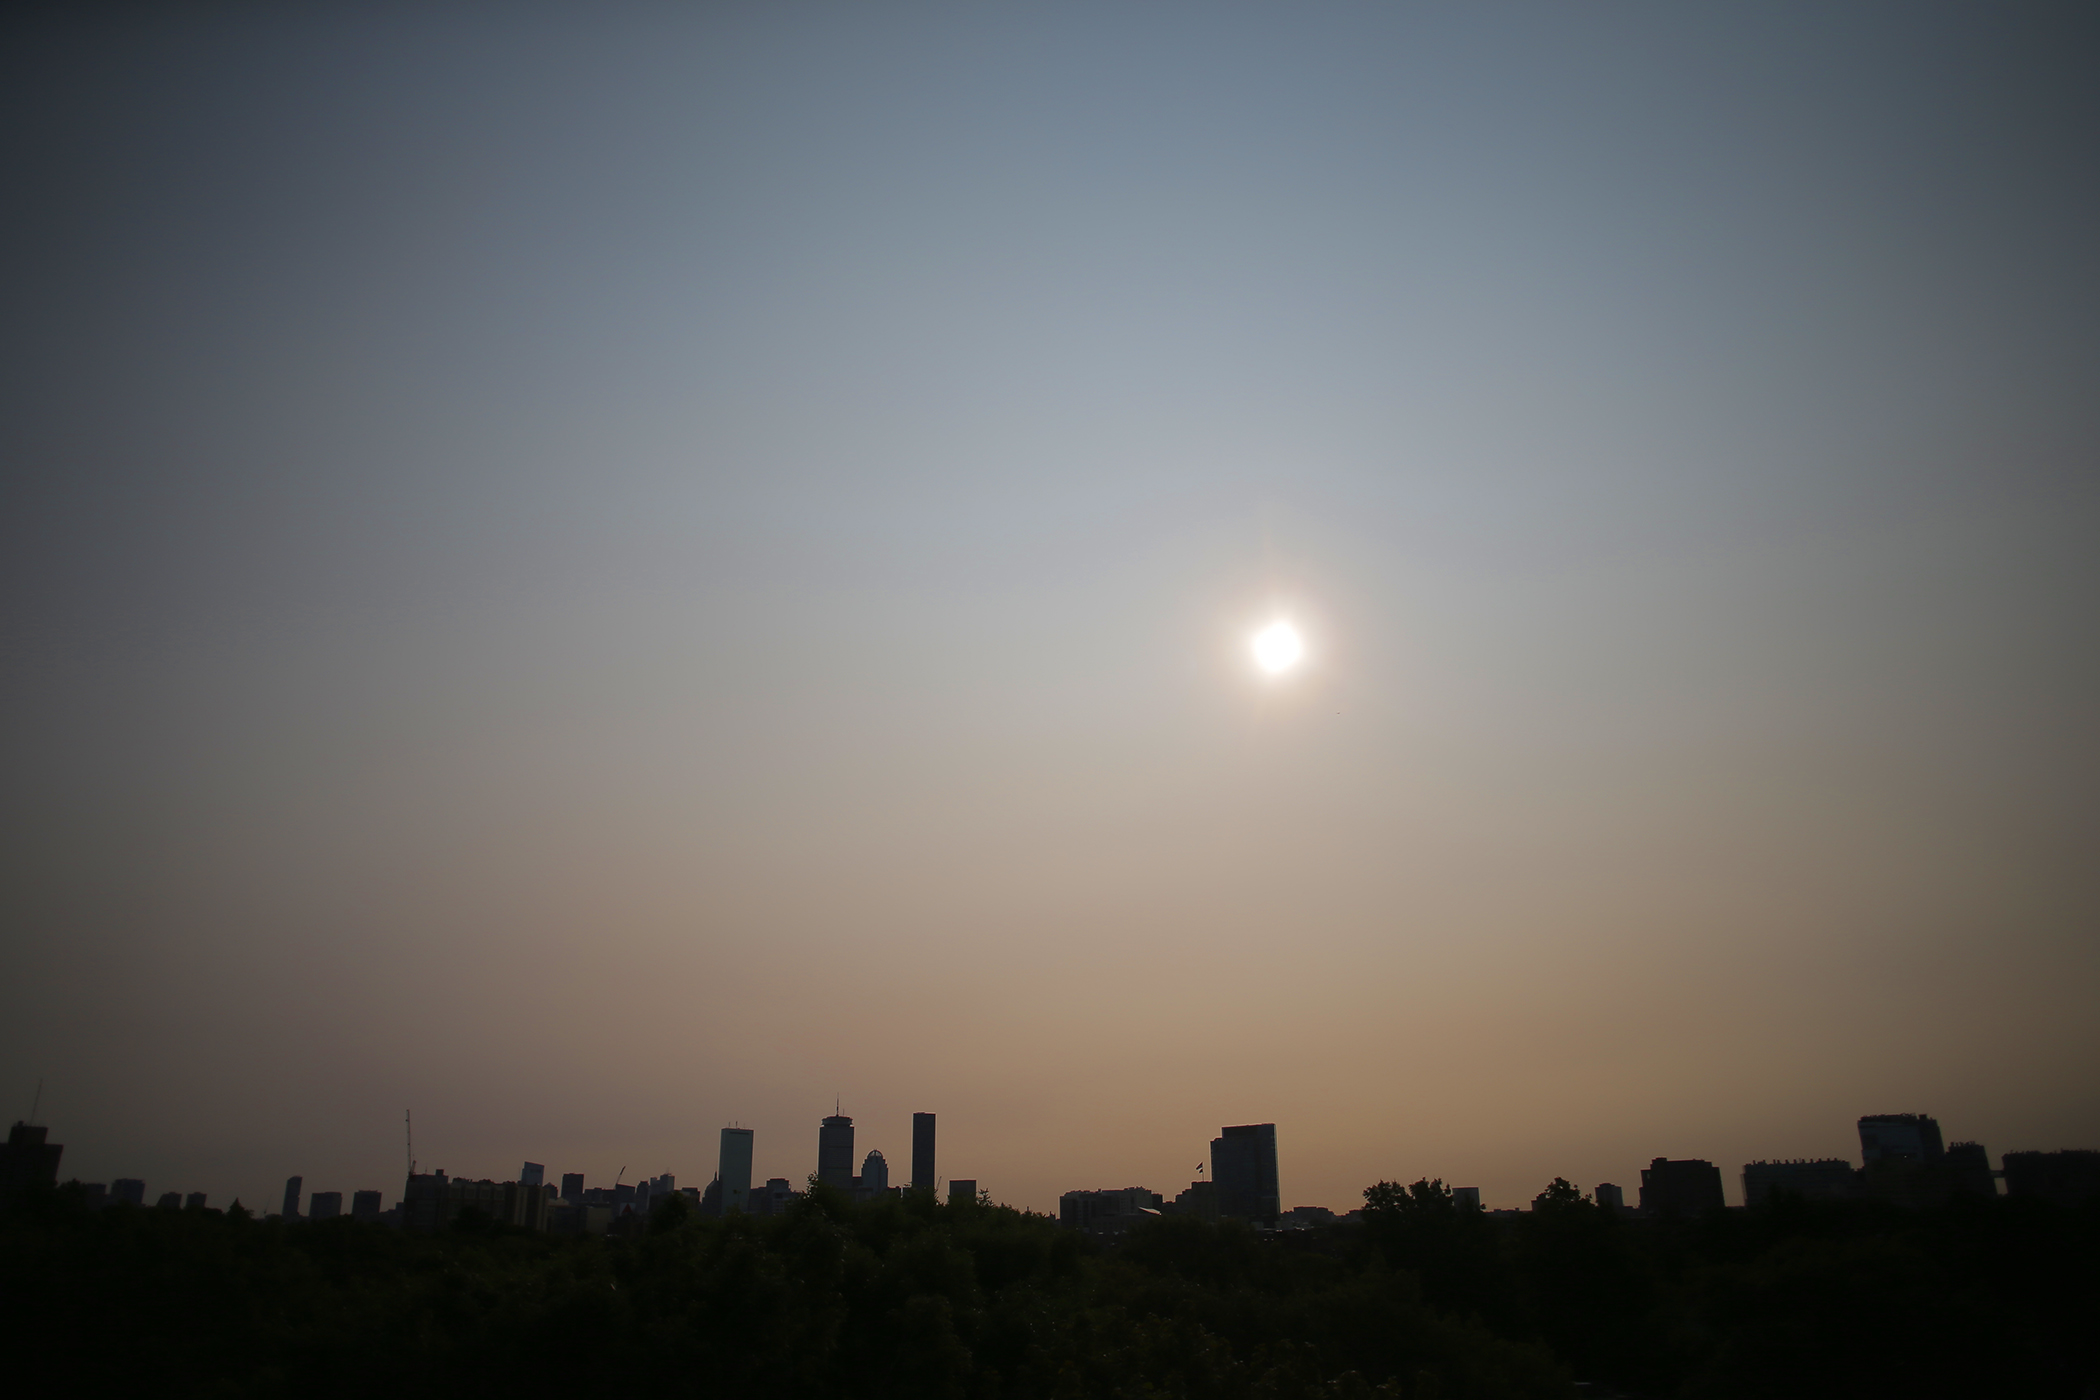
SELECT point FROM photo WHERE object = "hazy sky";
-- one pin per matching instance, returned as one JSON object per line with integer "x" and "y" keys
{"x": 601, "y": 571}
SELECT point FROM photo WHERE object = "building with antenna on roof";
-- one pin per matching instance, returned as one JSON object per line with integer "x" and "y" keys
{"x": 28, "y": 1160}
{"x": 835, "y": 1152}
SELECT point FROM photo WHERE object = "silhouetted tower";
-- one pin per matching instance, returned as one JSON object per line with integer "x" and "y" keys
{"x": 922, "y": 1152}
{"x": 874, "y": 1174}
{"x": 291, "y": 1196}
{"x": 735, "y": 1171}
{"x": 1243, "y": 1163}
{"x": 835, "y": 1152}
{"x": 28, "y": 1160}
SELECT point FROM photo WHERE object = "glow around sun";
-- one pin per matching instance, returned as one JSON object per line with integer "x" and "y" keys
{"x": 1278, "y": 648}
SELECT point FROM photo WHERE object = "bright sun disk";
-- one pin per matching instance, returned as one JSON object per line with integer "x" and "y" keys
{"x": 1277, "y": 648}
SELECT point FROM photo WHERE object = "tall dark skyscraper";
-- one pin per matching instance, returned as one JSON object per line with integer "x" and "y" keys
{"x": 835, "y": 1152}
{"x": 734, "y": 1172}
{"x": 1243, "y": 1163}
{"x": 922, "y": 1152}
{"x": 291, "y": 1196}
{"x": 572, "y": 1186}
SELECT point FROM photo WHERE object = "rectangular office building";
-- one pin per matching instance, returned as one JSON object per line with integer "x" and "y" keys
{"x": 735, "y": 1171}
{"x": 1243, "y": 1163}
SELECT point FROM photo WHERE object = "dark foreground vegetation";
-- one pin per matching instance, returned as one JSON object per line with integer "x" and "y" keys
{"x": 910, "y": 1298}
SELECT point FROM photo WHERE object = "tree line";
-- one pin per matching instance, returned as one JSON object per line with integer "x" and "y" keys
{"x": 1423, "y": 1300}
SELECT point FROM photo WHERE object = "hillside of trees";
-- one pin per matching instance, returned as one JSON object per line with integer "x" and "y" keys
{"x": 1423, "y": 1300}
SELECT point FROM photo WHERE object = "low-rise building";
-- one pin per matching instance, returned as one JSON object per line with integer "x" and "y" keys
{"x": 1107, "y": 1212}
{"x": 1689, "y": 1187}
{"x": 1821, "y": 1179}
{"x": 2069, "y": 1178}
{"x": 433, "y": 1201}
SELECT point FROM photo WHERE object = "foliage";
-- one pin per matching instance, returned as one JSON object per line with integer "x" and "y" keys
{"x": 907, "y": 1297}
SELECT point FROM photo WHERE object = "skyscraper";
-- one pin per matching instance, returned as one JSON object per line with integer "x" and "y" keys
{"x": 835, "y": 1152}
{"x": 532, "y": 1174}
{"x": 874, "y": 1175}
{"x": 1243, "y": 1163}
{"x": 922, "y": 1152}
{"x": 291, "y": 1197}
{"x": 735, "y": 1170}
{"x": 572, "y": 1186}
{"x": 326, "y": 1205}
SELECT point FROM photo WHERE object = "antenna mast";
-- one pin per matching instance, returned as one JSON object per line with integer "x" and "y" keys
{"x": 38, "y": 1101}
{"x": 408, "y": 1126}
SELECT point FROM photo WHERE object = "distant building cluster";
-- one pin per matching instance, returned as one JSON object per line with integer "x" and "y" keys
{"x": 1242, "y": 1185}
{"x": 1903, "y": 1160}
{"x": 434, "y": 1200}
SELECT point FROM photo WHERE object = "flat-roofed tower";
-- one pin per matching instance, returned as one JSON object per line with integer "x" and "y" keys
{"x": 735, "y": 1170}
{"x": 922, "y": 1152}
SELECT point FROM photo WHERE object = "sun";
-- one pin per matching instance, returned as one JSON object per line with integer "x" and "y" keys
{"x": 1278, "y": 648}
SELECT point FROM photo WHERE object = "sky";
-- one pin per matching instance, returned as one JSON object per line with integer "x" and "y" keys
{"x": 592, "y": 573}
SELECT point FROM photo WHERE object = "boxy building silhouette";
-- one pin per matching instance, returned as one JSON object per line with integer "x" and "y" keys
{"x": 1689, "y": 1187}
{"x": 1243, "y": 1163}
{"x": 28, "y": 1160}
{"x": 1826, "y": 1179}
{"x": 922, "y": 1152}
{"x": 2070, "y": 1178}
{"x": 734, "y": 1171}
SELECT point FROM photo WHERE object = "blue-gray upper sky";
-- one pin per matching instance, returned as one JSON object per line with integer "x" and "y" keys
{"x": 597, "y": 571}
